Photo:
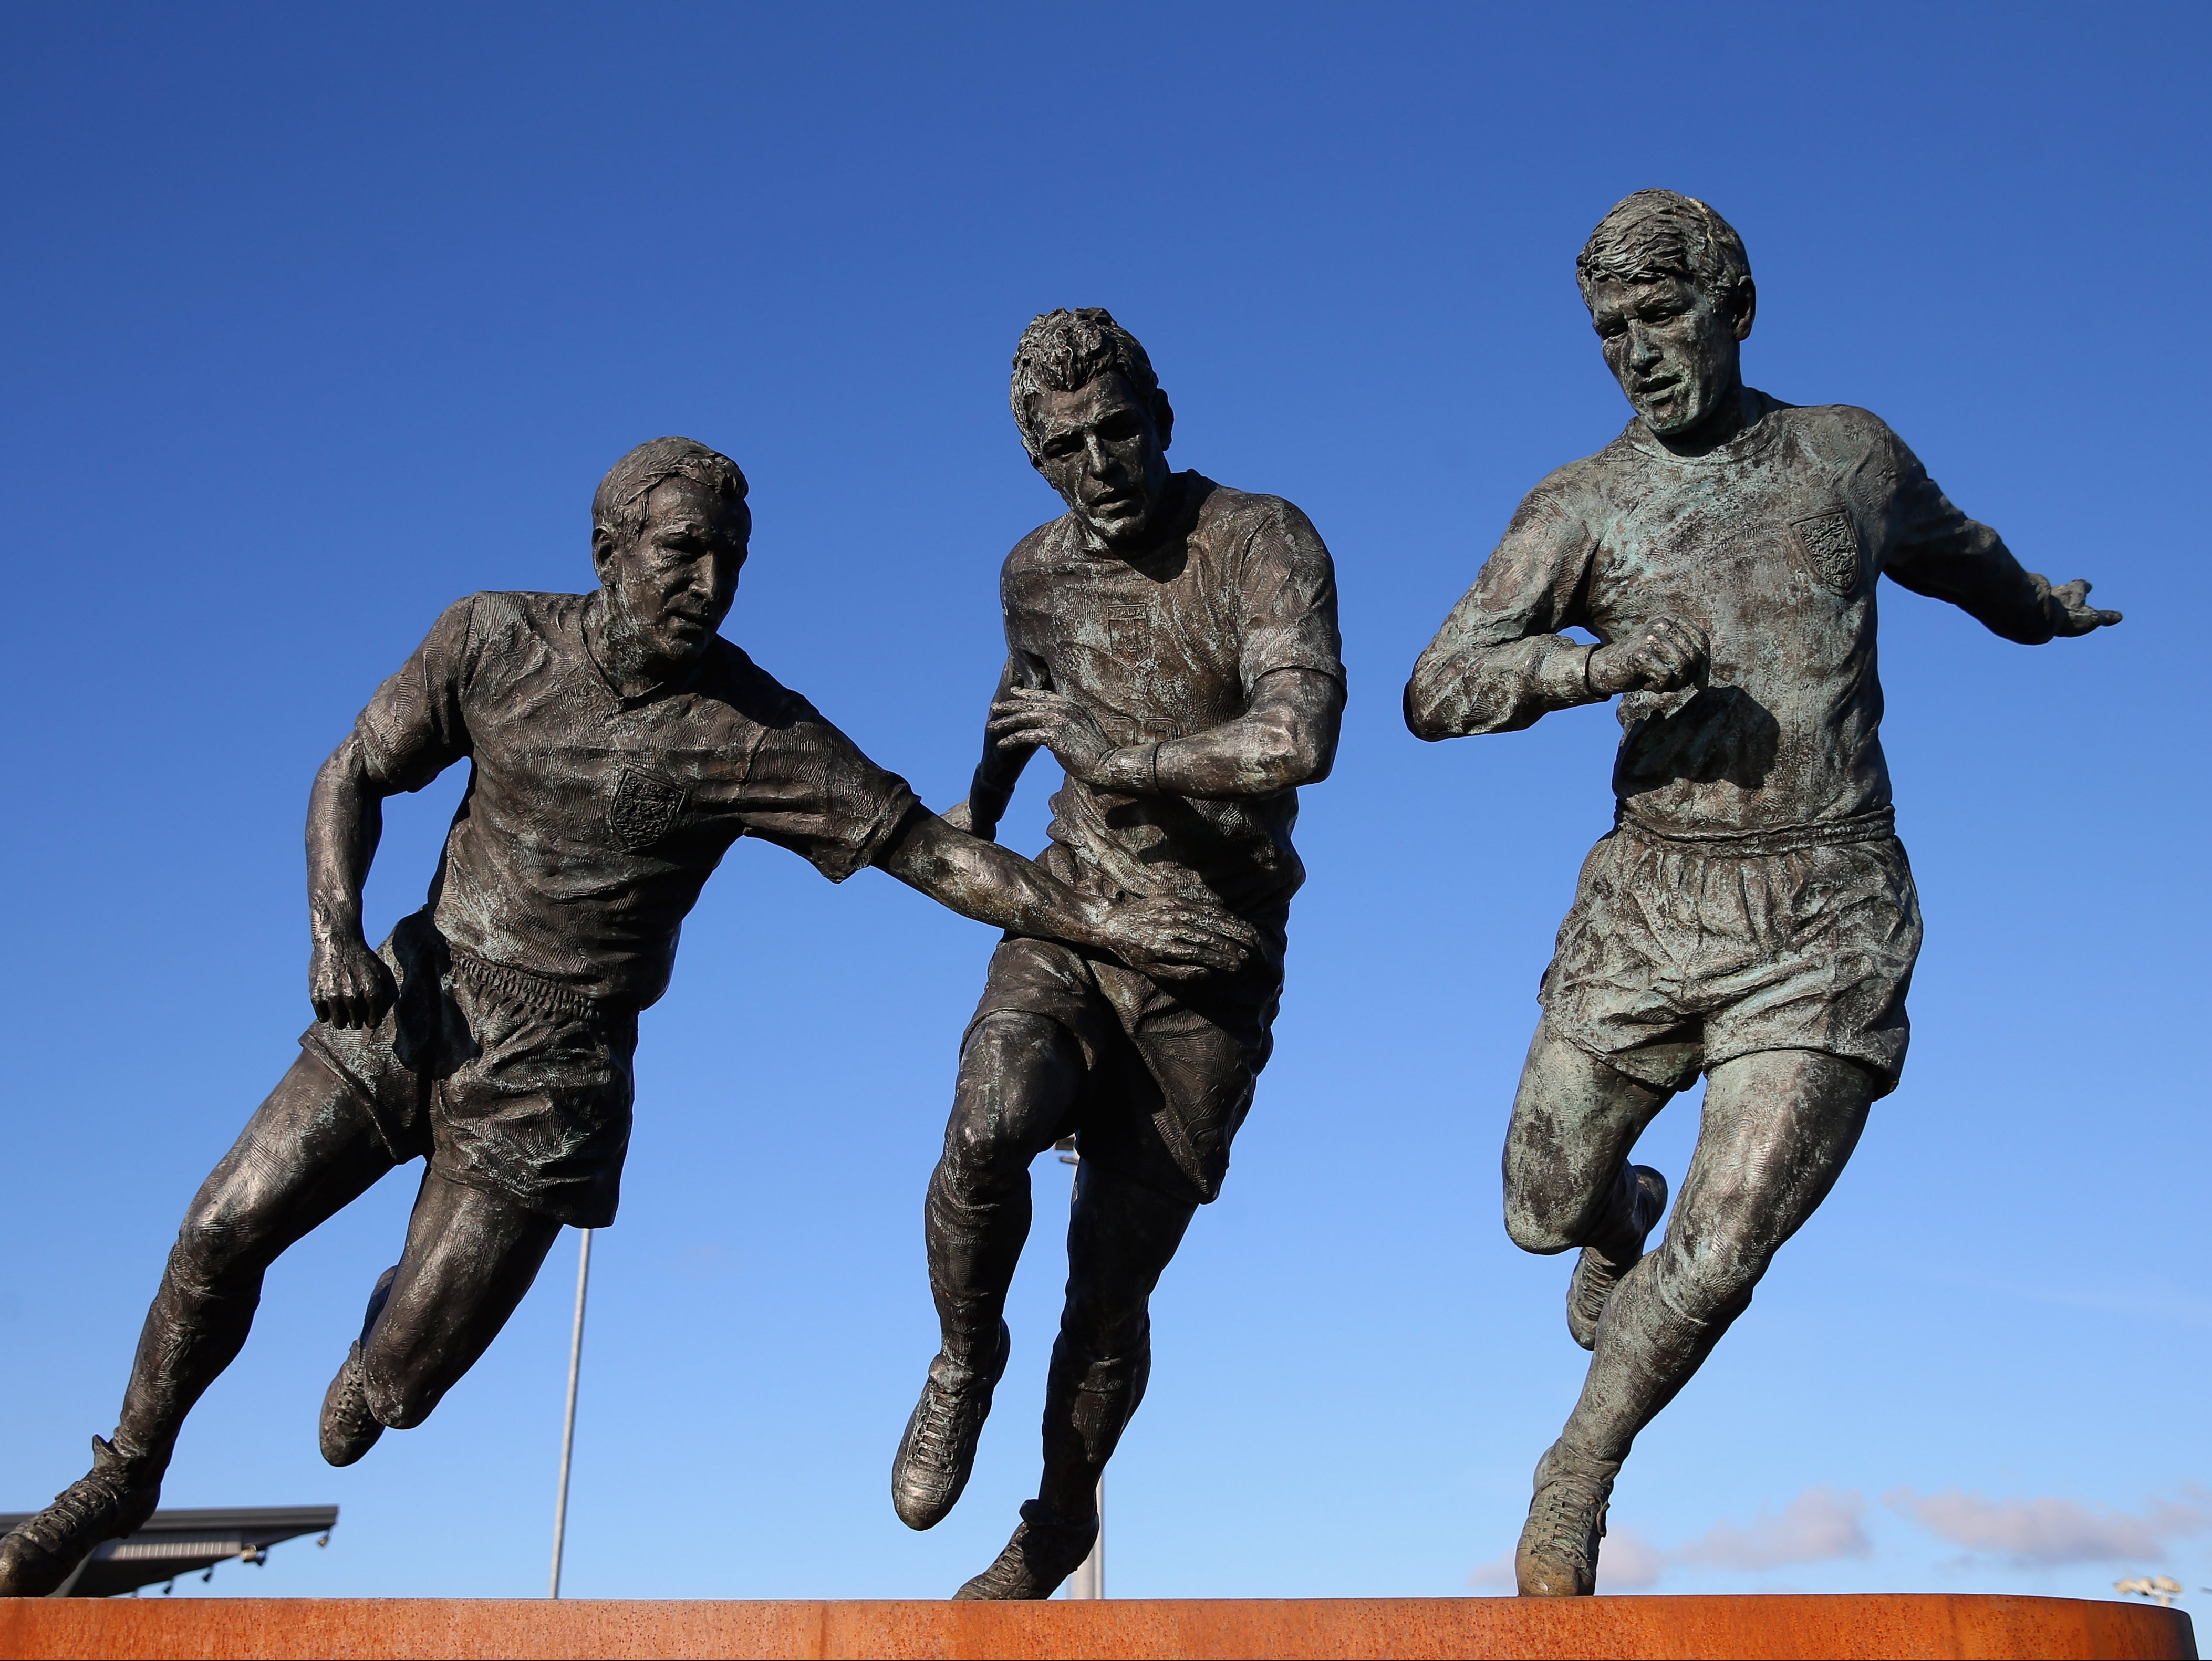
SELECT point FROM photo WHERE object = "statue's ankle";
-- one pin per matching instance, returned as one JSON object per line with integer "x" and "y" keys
{"x": 139, "y": 1463}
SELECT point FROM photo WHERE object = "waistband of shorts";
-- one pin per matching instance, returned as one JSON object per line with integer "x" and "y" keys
{"x": 533, "y": 990}
{"x": 1875, "y": 826}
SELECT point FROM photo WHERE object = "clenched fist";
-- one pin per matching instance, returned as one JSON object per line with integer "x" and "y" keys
{"x": 1664, "y": 655}
{"x": 348, "y": 984}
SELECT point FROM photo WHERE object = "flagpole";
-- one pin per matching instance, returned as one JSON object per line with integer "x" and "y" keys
{"x": 569, "y": 1421}
{"x": 1089, "y": 1579}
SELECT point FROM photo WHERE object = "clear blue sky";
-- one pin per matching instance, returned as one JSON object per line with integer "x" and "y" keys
{"x": 319, "y": 318}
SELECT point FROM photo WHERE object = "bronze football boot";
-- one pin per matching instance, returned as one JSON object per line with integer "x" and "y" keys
{"x": 1044, "y": 1551}
{"x": 113, "y": 1498}
{"x": 1558, "y": 1553}
{"x": 1598, "y": 1270}
{"x": 938, "y": 1451}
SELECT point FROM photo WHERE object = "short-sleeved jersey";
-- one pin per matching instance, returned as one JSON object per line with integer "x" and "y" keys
{"x": 592, "y": 821}
{"x": 1166, "y": 644}
{"x": 1772, "y": 544}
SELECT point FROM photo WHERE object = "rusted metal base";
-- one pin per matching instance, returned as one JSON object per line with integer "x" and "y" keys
{"x": 1875, "y": 1626}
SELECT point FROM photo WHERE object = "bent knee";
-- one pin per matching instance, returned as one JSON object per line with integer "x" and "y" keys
{"x": 1537, "y": 1234}
{"x": 1016, "y": 1072}
{"x": 981, "y": 1158}
{"x": 396, "y": 1400}
{"x": 217, "y": 1243}
{"x": 1546, "y": 1225}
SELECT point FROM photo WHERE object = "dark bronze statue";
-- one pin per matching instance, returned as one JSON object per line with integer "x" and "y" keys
{"x": 617, "y": 746}
{"x": 1750, "y": 915}
{"x": 1173, "y": 643}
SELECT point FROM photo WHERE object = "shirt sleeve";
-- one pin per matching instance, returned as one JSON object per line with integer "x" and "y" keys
{"x": 1938, "y": 551}
{"x": 1500, "y": 662}
{"x": 1288, "y": 593}
{"x": 810, "y": 789}
{"x": 414, "y": 727}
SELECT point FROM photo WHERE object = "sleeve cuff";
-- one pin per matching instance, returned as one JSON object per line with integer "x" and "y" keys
{"x": 896, "y": 810}
{"x": 377, "y": 757}
{"x": 1562, "y": 675}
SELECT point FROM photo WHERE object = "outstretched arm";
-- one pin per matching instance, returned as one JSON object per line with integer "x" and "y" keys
{"x": 1977, "y": 572}
{"x": 1285, "y": 738}
{"x": 348, "y": 984}
{"x": 996, "y": 887}
{"x": 1945, "y": 555}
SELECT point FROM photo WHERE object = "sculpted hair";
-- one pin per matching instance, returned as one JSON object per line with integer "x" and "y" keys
{"x": 1065, "y": 351}
{"x": 1656, "y": 233}
{"x": 618, "y": 505}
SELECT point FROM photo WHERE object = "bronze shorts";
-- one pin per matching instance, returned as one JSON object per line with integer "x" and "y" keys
{"x": 1171, "y": 1064}
{"x": 1677, "y": 955}
{"x": 506, "y": 1081}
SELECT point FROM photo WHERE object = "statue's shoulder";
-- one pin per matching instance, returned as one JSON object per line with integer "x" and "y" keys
{"x": 1585, "y": 485}
{"x": 500, "y": 623}
{"x": 1832, "y": 429}
{"x": 1240, "y": 524}
{"x": 1034, "y": 549}
{"x": 1218, "y": 507}
{"x": 497, "y": 611}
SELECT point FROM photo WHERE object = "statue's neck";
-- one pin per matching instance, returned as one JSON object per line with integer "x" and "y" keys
{"x": 612, "y": 640}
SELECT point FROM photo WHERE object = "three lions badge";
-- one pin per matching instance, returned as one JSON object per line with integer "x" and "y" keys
{"x": 642, "y": 809}
{"x": 1831, "y": 544}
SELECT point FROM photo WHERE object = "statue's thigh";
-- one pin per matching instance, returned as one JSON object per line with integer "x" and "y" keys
{"x": 309, "y": 1150}
{"x": 1021, "y": 1076}
{"x": 1575, "y": 1119}
{"x": 1779, "y": 1128}
{"x": 471, "y": 1257}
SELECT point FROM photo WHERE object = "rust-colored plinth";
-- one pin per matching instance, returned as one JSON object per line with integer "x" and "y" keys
{"x": 1882, "y": 1626}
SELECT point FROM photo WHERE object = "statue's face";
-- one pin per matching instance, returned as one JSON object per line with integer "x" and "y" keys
{"x": 674, "y": 584}
{"x": 1676, "y": 355}
{"x": 1101, "y": 448}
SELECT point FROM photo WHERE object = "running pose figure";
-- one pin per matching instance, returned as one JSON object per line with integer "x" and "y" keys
{"x": 617, "y": 746}
{"x": 1173, "y": 642}
{"x": 1750, "y": 915}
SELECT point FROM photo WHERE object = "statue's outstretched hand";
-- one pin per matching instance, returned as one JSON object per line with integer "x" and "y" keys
{"x": 1664, "y": 655}
{"x": 1174, "y": 938}
{"x": 348, "y": 984}
{"x": 2072, "y": 614}
{"x": 1026, "y": 717}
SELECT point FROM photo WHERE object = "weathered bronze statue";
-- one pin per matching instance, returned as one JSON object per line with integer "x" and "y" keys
{"x": 1751, "y": 915}
{"x": 617, "y": 746}
{"x": 1173, "y": 643}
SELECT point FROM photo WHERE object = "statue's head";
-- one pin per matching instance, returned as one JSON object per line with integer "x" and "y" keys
{"x": 669, "y": 531}
{"x": 1669, "y": 291}
{"x": 1093, "y": 420}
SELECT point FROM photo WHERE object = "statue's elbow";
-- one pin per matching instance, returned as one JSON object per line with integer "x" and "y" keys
{"x": 1424, "y": 720}
{"x": 1288, "y": 757}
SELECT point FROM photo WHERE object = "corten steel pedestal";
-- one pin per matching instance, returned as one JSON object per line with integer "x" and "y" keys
{"x": 1877, "y": 1626}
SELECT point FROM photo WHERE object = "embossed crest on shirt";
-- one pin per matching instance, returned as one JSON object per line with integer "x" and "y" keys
{"x": 642, "y": 808}
{"x": 1831, "y": 541}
